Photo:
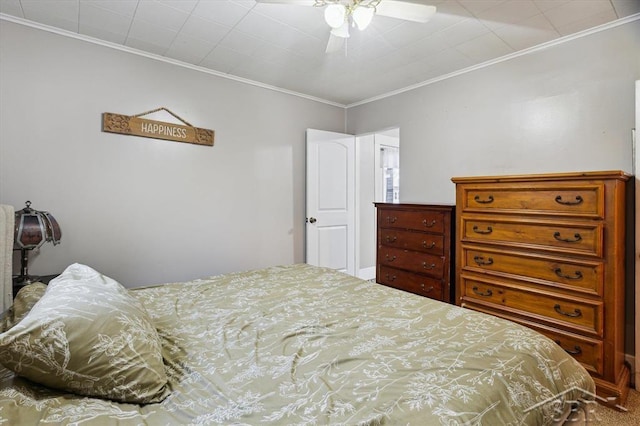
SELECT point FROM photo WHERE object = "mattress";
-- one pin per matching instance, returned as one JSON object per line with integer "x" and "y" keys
{"x": 298, "y": 344}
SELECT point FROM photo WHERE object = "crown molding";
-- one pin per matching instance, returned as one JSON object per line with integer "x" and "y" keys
{"x": 508, "y": 57}
{"x": 123, "y": 48}
{"x": 562, "y": 40}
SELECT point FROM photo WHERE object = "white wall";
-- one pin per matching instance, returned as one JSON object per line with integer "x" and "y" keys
{"x": 142, "y": 210}
{"x": 566, "y": 108}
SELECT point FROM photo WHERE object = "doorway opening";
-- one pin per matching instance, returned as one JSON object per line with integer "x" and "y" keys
{"x": 390, "y": 174}
{"x": 378, "y": 157}
{"x": 387, "y": 166}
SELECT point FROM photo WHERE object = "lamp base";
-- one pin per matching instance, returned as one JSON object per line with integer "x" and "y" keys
{"x": 24, "y": 278}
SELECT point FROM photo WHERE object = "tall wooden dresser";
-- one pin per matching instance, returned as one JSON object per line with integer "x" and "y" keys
{"x": 415, "y": 248}
{"x": 548, "y": 251}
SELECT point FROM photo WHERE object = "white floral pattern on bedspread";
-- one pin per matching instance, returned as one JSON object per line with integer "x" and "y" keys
{"x": 304, "y": 345}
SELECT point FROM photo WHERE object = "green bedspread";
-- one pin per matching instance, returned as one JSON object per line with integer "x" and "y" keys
{"x": 304, "y": 345}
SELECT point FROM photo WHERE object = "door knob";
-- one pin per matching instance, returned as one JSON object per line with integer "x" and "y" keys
{"x": 312, "y": 219}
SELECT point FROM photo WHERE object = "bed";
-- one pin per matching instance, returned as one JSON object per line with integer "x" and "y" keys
{"x": 293, "y": 344}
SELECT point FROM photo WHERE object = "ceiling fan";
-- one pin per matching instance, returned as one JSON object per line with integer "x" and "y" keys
{"x": 342, "y": 14}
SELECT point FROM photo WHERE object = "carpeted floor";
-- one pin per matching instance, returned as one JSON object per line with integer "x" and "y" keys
{"x": 607, "y": 417}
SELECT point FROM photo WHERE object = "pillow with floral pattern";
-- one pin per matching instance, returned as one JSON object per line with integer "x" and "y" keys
{"x": 88, "y": 336}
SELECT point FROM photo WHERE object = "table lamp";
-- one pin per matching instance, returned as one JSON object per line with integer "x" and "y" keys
{"x": 33, "y": 228}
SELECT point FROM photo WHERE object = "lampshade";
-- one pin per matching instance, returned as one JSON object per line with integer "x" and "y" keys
{"x": 33, "y": 228}
{"x": 335, "y": 15}
{"x": 362, "y": 16}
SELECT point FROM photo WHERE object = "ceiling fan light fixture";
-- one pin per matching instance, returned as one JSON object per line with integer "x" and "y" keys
{"x": 362, "y": 16}
{"x": 342, "y": 31}
{"x": 335, "y": 15}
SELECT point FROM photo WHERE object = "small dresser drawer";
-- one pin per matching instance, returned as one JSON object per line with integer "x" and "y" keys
{"x": 581, "y": 315}
{"x": 579, "y": 237}
{"x": 418, "y": 241}
{"x": 414, "y": 283}
{"x": 412, "y": 261}
{"x": 585, "y": 200}
{"x": 429, "y": 221}
{"x": 556, "y": 272}
{"x": 586, "y": 351}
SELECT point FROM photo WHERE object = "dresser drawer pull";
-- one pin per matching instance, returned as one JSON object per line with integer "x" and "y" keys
{"x": 577, "y": 276}
{"x": 480, "y": 231}
{"x": 576, "y": 237}
{"x": 391, "y": 277}
{"x": 427, "y": 266}
{"x": 575, "y": 314}
{"x": 480, "y": 260}
{"x": 487, "y": 201}
{"x": 477, "y": 291}
{"x": 426, "y": 290}
{"x": 392, "y": 219}
{"x": 577, "y": 350}
{"x": 569, "y": 203}
{"x": 390, "y": 239}
{"x": 429, "y": 224}
{"x": 430, "y": 246}
{"x": 390, "y": 258}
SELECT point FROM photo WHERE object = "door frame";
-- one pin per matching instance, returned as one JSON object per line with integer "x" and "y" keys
{"x": 636, "y": 170}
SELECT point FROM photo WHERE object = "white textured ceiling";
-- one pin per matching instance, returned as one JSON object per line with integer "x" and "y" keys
{"x": 284, "y": 45}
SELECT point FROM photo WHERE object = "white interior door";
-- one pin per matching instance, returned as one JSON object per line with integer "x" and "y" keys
{"x": 331, "y": 205}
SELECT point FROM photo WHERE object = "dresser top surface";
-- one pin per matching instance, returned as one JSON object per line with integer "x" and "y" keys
{"x": 414, "y": 205}
{"x": 610, "y": 174}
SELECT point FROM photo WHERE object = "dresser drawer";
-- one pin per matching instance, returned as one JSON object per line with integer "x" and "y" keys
{"x": 412, "y": 261}
{"x": 579, "y": 238}
{"x": 418, "y": 241}
{"x": 578, "y": 314}
{"x": 587, "y": 351}
{"x": 557, "y": 272}
{"x": 408, "y": 219}
{"x": 573, "y": 199}
{"x": 415, "y": 283}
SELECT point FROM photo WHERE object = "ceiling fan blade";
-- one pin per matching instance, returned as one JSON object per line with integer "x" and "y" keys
{"x": 335, "y": 43}
{"x": 404, "y": 10}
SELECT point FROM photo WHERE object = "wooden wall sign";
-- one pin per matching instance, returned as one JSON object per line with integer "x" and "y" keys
{"x": 136, "y": 126}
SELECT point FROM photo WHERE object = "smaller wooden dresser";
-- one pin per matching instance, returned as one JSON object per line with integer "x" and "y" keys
{"x": 415, "y": 248}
